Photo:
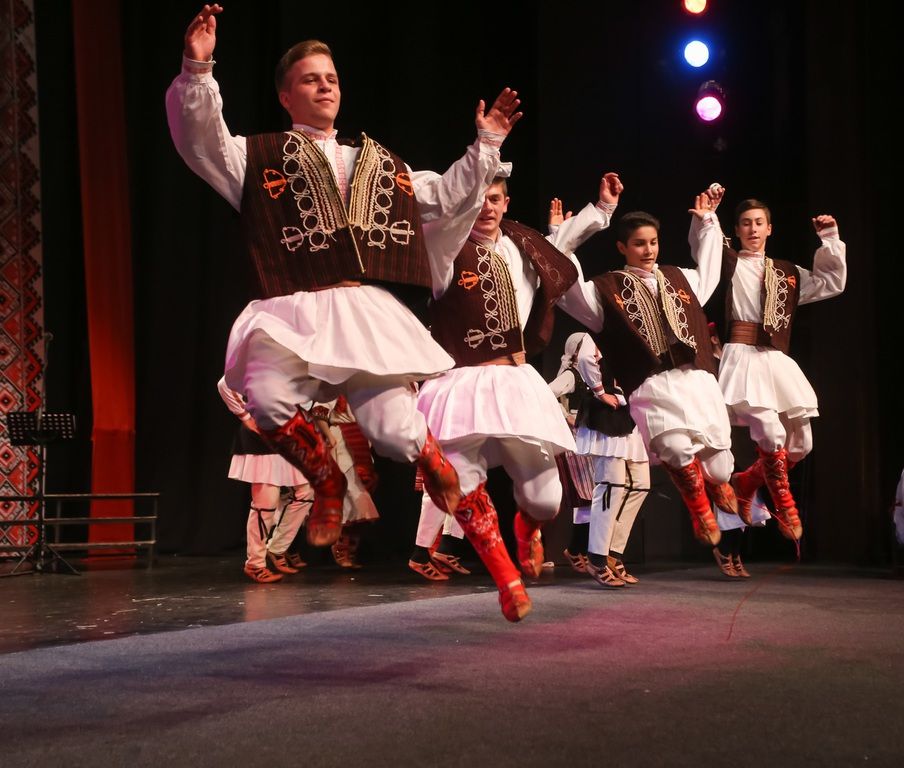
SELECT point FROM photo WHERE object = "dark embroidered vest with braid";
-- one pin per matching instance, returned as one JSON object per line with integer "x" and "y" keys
{"x": 631, "y": 355}
{"x": 787, "y": 295}
{"x": 302, "y": 236}
{"x": 476, "y": 319}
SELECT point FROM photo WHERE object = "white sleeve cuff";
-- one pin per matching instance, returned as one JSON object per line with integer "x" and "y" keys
{"x": 194, "y": 67}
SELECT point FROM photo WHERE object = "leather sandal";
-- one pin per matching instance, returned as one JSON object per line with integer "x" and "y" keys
{"x": 294, "y": 559}
{"x": 281, "y": 563}
{"x": 740, "y": 570}
{"x": 428, "y": 570}
{"x": 725, "y": 563}
{"x": 578, "y": 562}
{"x": 604, "y": 576}
{"x": 450, "y": 561}
{"x": 618, "y": 568}
{"x": 262, "y": 574}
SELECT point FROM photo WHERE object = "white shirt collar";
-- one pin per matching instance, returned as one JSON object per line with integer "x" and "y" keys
{"x": 314, "y": 133}
{"x": 642, "y": 273}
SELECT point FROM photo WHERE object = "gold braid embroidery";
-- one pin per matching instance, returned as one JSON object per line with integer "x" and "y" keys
{"x": 500, "y": 307}
{"x": 674, "y": 311}
{"x": 372, "y": 193}
{"x": 311, "y": 180}
{"x": 775, "y": 316}
{"x": 643, "y": 312}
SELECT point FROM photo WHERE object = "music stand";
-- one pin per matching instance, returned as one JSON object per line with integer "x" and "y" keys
{"x": 37, "y": 428}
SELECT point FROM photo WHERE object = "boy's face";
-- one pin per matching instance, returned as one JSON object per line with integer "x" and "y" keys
{"x": 752, "y": 230}
{"x": 642, "y": 248}
{"x": 495, "y": 204}
{"x": 310, "y": 92}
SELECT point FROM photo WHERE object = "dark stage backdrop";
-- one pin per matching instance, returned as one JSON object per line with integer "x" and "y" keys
{"x": 603, "y": 89}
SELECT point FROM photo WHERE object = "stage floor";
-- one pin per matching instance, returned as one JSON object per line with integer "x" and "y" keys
{"x": 190, "y": 663}
{"x": 112, "y": 598}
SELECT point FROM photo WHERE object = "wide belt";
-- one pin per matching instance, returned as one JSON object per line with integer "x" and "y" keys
{"x": 516, "y": 358}
{"x": 749, "y": 333}
{"x": 342, "y": 284}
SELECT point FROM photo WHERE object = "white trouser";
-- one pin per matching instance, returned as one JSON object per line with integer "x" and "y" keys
{"x": 277, "y": 380}
{"x": 772, "y": 431}
{"x": 620, "y": 487}
{"x": 266, "y": 512}
{"x": 676, "y": 449}
{"x": 535, "y": 480}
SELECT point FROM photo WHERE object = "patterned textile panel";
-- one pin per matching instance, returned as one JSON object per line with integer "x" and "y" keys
{"x": 21, "y": 288}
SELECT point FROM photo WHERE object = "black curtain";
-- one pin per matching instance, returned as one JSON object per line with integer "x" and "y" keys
{"x": 603, "y": 89}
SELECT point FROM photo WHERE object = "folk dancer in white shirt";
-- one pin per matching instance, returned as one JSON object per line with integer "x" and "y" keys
{"x": 764, "y": 388}
{"x": 650, "y": 322}
{"x": 621, "y": 468}
{"x": 493, "y": 409}
{"x": 332, "y": 229}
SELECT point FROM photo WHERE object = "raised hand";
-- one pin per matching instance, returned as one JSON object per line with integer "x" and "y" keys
{"x": 703, "y": 204}
{"x": 716, "y": 192}
{"x": 555, "y": 212}
{"x": 502, "y": 115}
{"x": 824, "y": 221}
{"x": 201, "y": 35}
{"x": 610, "y": 188}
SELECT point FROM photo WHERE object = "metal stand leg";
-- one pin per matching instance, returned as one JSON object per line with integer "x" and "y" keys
{"x": 39, "y": 552}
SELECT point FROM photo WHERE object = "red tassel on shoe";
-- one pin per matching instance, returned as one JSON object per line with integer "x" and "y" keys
{"x": 530, "y": 547}
{"x": 775, "y": 471}
{"x": 440, "y": 477}
{"x": 301, "y": 443}
{"x": 745, "y": 486}
{"x": 689, "y": 482}
{"x": 477, "y": 517}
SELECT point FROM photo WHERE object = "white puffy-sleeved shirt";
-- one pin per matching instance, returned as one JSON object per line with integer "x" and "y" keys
{"x": 338, "y": 332}
{"x": 686, "y": 399}
{"x": 764, "y": 377}
{"x": 490, "y": 401}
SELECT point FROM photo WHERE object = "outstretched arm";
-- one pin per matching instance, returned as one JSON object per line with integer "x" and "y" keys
{"x": 829, "y": 274}
{"x": 449, "y": 204}
{"x": 581, "y": 301}
{"x": 194, "y": 111}
{"x": 593, "y": 218}
{"x": 705, "y": 238}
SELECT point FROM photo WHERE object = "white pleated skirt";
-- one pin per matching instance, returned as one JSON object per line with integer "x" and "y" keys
{"x": 339, "y": 332}
{"x": 270, "y": 468}
{"x": 594, "y": 443}
{"x": 765, "y": 378}
{"x": 496, "y": 401}
{"x": 683, "y": 399}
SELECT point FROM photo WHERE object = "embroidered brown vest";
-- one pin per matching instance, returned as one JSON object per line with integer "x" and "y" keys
{"x": 644, "y": 335}
{"x": 779, "y": 298}
{"x": 476, "y": 319}
{"x": 302, "y": 236}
